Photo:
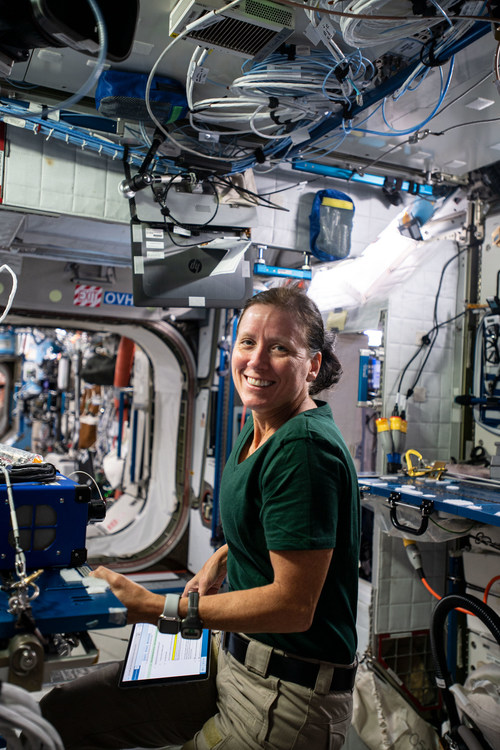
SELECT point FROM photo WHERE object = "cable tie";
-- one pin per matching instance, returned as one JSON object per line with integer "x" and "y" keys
{"x": 274, "y": 117}
{"x": 260, "y": 156}
{"x": 347, "y": 109}
{"x": 274, "y": 102}
{"x": 50, "y": 133}
{"x": 341, "y": 71}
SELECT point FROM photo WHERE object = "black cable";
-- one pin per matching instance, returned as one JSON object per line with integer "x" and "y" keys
{"x": 432, "y": 332}
{"x": 290, "y": 187}
{"x": 162, "y": 200}
{"x": 240, "y": 189}
{"x": 465, "y": 124}
{"x": 436, "y": 329}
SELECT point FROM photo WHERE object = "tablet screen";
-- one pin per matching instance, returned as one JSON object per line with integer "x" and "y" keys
{"x": 155, "y": 658}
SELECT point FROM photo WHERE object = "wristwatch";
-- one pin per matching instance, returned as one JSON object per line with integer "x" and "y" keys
{"x": 169, "y": 621}
{"x": 191, "y": 625}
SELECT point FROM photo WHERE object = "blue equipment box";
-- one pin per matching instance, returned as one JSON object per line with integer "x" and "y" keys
{"x": 52, "y": 520}
{"x": 68, "y": 603}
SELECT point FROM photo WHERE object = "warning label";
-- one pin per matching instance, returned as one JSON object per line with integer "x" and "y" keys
{"x": 87, "y": 296}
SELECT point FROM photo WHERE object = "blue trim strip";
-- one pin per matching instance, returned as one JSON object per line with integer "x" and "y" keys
{"x": 367, "y": 179}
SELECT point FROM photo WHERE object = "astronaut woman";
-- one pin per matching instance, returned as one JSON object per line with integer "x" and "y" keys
{"x": 290, "y": 512}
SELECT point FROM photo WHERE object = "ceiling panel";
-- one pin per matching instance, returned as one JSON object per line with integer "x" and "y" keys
{"x": 456, "y": 151}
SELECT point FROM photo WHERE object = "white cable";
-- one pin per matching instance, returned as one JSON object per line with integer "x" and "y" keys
{"x": 332, "y": 47}
{"x": 13, "y": 291}
{"x": 362, "y": 32}
{"x": 79, "y": 471}
{"x": 20, "y": 712}
{"x": 19, "y": 552}
{"x": 101, "y": 60}
{"x": 200, "y": 21}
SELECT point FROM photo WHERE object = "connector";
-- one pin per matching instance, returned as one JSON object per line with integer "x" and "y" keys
{"x": 414, "y": 556}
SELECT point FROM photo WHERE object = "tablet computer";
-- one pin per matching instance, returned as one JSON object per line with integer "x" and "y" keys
{"x": 155, "y": 658}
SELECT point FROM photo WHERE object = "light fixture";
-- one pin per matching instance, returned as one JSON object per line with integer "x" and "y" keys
{"x": 480, "y": 103}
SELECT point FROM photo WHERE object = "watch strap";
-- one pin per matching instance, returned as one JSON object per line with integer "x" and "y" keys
{"x": 193, "y": 602}
{"x": 169, "y": 620}
{"x": 171, "y": 607}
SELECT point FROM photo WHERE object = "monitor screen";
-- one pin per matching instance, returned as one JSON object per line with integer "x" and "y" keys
{"x": 214, "y": 273}
{"x": 155, "y": 658}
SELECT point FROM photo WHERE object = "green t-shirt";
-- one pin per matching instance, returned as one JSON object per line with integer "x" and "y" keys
{"x": 298, "y": 491}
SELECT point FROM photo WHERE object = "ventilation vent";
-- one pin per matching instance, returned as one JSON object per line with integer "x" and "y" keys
{"x": 270, "y": 12}
{"x": 238, "y": 36}
{"x": 252, "y": 30}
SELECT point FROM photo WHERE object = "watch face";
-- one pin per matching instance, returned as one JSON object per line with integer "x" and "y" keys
{"x": 168, "y": 626}
{"x": 191, "y": 632}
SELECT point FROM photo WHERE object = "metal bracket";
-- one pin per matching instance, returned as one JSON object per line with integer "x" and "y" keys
{"x": 107, "y": 275}
{"x": 426, "y": 508}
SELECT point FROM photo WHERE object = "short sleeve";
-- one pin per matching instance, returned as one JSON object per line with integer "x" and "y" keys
{"x": 302, "y": 485}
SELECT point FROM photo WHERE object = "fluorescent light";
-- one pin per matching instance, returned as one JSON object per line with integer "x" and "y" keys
{"x": 455, "y": 164}
{"x": 480, "y": 103}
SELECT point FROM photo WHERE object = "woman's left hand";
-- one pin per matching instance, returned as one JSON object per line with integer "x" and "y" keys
{"x": 142, "y": 605}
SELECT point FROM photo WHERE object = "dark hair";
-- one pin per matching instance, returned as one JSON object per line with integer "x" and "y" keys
{"x": 317, "y": 339}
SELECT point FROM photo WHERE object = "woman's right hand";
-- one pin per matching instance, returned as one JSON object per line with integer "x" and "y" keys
{"x": 210, "y": 578}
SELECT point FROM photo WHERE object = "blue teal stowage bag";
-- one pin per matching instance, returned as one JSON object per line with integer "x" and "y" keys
{"x": 121, "y": 94}
{"x": 330, "y": 225}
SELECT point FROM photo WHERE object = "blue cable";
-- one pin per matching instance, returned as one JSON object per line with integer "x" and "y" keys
{"x": 409, "y": 131}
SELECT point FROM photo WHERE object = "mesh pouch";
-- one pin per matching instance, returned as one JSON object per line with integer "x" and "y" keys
{"x": 330, "y": 223}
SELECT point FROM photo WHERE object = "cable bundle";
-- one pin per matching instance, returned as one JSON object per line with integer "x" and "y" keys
{"x": 20, "y": 712}
{"x": 279, "y": 95}
{"x": 363, "y": 32}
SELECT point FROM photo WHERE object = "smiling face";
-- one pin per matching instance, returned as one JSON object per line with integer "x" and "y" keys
{"x": 271, "y": 366}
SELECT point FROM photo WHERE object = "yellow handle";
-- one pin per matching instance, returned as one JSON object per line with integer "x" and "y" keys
{"x": 411, "y": 471}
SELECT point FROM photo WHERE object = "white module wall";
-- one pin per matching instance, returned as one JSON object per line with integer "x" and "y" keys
{"x": 431, "y": 410}
{"x": 49, "y": 175}
{"x": 289, "y": 228}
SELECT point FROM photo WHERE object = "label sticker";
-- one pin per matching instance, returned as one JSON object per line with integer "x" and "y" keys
{"x": 124, "y": 299}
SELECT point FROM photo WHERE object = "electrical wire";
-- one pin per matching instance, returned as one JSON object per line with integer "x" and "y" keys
{"x": 79, "y": 471}
{"x": 365, "y": 31}
{"x": 20, "y": 558}
{"x": 432, "y": 332}
{"x": 444, "y": 90}
{"x": 415, "y": 560}
{"x": 381, "y": 17}
{"x": 488, "y": 587}
{"x": 202, "y": 20}
{"x": 451, "y": 531}
{"x": 12, "y": 293}
{"x": 19, "y": 711}
{"x": 465, "y": 124}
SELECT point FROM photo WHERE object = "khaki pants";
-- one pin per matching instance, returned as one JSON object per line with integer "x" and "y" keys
{"x": 258, "y": 711}
{"x": 240, "y": 709}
